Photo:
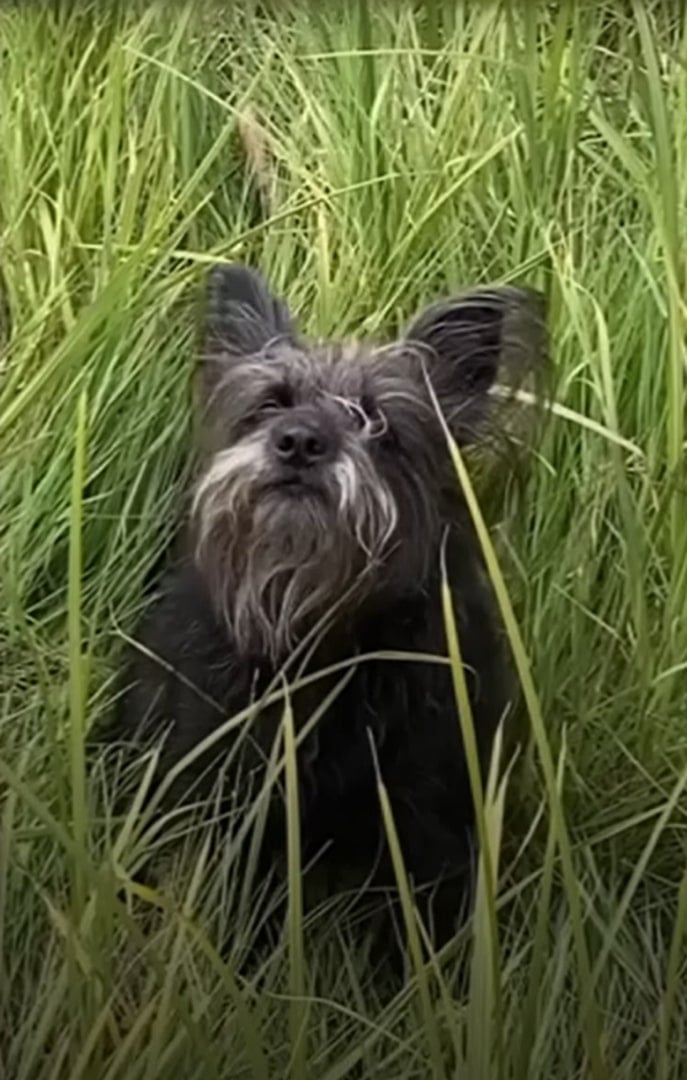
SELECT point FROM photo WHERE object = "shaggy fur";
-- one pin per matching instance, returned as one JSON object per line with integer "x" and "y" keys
{"x": 318, "y": 518}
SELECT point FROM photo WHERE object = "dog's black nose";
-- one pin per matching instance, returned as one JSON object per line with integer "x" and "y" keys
{"x": 301, "y": 442}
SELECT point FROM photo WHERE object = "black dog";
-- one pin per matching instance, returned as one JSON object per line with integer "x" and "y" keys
{"x": 324, "y": 500}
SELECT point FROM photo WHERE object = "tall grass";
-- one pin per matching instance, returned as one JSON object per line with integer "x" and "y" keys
{"x": 369, "y": 157}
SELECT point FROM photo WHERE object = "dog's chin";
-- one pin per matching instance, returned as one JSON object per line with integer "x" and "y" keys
{"x": 291, "y": 488}
{"x": 291, "y": 514}
{"x": 287, "y": 567}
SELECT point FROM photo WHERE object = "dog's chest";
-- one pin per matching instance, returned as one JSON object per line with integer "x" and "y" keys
{"x": 345, "y": 721}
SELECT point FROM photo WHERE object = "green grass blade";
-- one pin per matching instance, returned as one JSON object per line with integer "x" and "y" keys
{"x": 429, "y": 1020}
{"x": 298, "y": 1012}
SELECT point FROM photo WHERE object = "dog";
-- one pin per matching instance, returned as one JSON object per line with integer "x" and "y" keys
{"x": 324, "y": 515}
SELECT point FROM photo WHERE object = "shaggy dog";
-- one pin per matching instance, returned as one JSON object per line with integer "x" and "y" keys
{"x": 324, "y": 509}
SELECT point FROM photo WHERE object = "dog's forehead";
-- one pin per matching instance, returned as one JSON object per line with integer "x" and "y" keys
{"x": 326, "y": 367}
{"x": 315, "y": 371}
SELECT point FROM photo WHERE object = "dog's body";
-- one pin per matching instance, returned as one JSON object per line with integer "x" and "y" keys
{"x": 323, "y": 508}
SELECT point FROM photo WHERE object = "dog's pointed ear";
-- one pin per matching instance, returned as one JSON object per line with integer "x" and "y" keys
{"x": 483, "y": 337}
{"x": 242, "y": 316}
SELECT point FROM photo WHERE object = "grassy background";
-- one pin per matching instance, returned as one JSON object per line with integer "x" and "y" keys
{"x": 402, "y": 151}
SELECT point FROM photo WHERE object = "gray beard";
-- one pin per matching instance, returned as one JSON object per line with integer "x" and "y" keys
{"x": 277, "y": 562}
{"x": 293, "y": 570}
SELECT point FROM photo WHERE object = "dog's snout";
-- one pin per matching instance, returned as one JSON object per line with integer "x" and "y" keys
{"x": 301, "y": 442}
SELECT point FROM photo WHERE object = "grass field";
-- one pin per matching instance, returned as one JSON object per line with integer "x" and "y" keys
{"x": 369, "y": 158}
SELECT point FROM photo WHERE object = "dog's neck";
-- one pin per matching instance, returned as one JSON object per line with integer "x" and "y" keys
{"x": 377, "y": 626}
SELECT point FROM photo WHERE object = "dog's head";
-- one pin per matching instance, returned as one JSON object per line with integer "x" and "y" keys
{"x": 325, "y": 478}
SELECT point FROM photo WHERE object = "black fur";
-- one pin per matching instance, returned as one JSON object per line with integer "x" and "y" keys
{"x": 369, "y": 576}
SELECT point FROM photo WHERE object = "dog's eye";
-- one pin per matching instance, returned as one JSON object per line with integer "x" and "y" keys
{"x": 365, "y": 416}
{"x": 376, "y": 423}
{"x": 368, "y": 409}
{"x": 279, "y": 398}
{"x": 353, "y": 409}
